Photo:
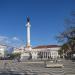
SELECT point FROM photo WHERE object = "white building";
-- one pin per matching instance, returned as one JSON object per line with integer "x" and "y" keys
{"x": 45, "y": 52}
{"x": 2, "y": 50}
{"x": 19, "y": 50}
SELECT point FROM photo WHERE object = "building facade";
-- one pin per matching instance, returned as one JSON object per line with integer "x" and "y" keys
{"x": 47, "y": 51}
{"x": 40, "y": 52}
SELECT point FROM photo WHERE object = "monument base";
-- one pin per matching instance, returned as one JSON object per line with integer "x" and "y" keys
{"x": 54, "y": 65}
{"x": 28, "y": 49}
{"x": 25, "y": 56}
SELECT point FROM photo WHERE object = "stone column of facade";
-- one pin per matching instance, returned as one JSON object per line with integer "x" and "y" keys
{"x": 47, "y": 54}
{"x": 43, "y": 54}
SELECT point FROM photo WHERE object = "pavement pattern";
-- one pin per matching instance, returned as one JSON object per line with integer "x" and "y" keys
{"x": 35, "y": 68}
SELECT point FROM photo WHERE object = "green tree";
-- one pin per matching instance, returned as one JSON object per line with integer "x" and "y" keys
{"x": 14, "y": 55}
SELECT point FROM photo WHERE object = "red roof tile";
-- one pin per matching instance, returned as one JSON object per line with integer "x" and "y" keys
{"x": 47, "y": 46}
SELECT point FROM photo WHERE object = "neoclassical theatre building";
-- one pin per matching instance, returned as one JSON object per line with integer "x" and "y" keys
{"x": 39, "y": 52}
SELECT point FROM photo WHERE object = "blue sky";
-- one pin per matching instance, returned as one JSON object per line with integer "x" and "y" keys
{"x": 46, "y": 17}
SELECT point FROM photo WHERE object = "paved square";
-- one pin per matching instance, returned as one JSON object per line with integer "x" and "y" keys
{"x": 36, "y": 68}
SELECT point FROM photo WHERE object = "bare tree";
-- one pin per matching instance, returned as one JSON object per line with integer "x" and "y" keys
{"x": 68, "y": 36}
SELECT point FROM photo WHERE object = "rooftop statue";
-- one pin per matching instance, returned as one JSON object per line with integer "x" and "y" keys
{"x": 28, "y": 19}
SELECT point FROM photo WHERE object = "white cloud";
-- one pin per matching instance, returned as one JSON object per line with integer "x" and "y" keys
{"x": 15, "y": 38}
{"x": 3, "y": 38}
{"x": 8, "y": 41}
{"x": 14, "y": 41}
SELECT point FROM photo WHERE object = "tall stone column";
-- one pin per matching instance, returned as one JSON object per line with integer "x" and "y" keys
{"x": 28, "y": 33}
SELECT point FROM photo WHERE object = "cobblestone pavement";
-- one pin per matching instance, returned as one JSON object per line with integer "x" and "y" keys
{"x": 35, "y": 68}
